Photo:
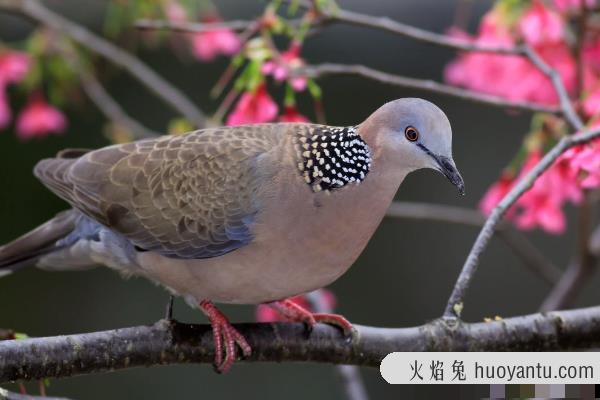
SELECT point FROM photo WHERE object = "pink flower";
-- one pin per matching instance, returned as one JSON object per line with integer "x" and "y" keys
{"x": 495, "y": 193}
{"x": 38, "y": 119}
{"x": 511, "y": 77}
{"x": 541, "y": 206}
{"x": 572, "y": 5}
{"x": 291, "y": 114}
{"x": 540, "y": 25}
{"x": 207, "y": 45}
{"x": 563, "y": 177}
{"x": 13, "y": 66}
{"x": 280, "y": 69}
{"x": 253, "y": 108}
{"x": 585, "y": 162}
{"x": 264, "y": 313}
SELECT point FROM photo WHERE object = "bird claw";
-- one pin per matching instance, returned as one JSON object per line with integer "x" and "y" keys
{"x": 225, "y": 337}
{"x": 349, "y": 331}
{"x": 294, "y": 312}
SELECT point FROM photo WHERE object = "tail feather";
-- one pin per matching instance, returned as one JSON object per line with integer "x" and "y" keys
{"x": 27, "y": 249}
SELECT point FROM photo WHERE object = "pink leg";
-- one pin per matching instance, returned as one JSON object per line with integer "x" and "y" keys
{"x": 294, "y": 312}
{"x": 224, "y": 336}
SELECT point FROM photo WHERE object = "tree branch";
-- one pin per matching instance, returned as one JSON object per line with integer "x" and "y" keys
{"x": 566, "y": 106}
{"x": 576, "y": 275}
{"x": 389, "y": 25}
{"x": 170, "y": 342}
{"x": 111, "y": 109}
{"x": 193, "y": 27}
{"x": 455, "y": 302}
{"x": 320, "y": 70}
{"x": 36, "y": 11}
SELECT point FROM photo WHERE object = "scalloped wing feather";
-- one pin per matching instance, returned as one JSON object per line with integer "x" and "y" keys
{"x": 188, "y": 196}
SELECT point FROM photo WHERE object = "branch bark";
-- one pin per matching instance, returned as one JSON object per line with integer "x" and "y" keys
{"x": 170, "y": 342}
{"x": 111, "y": 109}
{"x": 455, "y": 302}
{"x": 37, "y": 12}
{"x": 321, "y": 70}
{"x": 193, "y": 27}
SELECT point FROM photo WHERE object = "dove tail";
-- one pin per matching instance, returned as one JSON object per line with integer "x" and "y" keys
{"x": 26, "y": 250}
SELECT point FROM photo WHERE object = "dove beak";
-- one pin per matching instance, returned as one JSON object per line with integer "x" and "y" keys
{"x": 447, "y": 167}
{"x": 450, "y": 171}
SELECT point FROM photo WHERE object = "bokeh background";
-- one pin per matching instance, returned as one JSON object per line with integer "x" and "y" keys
{"x": 403, "y": 278}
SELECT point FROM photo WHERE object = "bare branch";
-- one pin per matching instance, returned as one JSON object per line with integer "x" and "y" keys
{"x": 36, "y": 11}
{"x": 321, "y": 70}
{"x": 455, "y": 302}
{"x": 522, "y": 247}
{"x": 531, "y": 256}
{"x": 564, "y": 100}
{"x": 192, "y": 27}
{"x": 111, "y": 109}
{"x": 169, "y": 342}
{"x": 563, "y": 295}
{"x": 389, "y": 25}
{"x": 578, "y": 272}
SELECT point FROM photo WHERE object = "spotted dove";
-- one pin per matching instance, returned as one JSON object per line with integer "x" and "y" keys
{"x": 245, "y": 214}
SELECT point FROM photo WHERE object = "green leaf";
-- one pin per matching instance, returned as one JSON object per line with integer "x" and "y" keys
{"x": 314, "y": 89}
{"x": 20, "y": 336}
{"x": 290, "y": 96}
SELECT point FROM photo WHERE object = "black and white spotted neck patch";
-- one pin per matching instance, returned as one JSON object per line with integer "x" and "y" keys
{"x": 332, "y": 157}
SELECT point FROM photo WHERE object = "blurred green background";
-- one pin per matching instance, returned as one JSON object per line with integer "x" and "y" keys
{"x": 402, "y": 279}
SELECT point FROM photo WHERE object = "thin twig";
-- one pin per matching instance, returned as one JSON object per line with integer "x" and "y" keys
{"x": 531, "y": 256}
{"x": 579, "y": 271}
{"x": 111, "y": 109}
{"x": 36, "y": 11}
{"x": 389, "y": 25}
{"x": 564, "y": 100}
{"x": 455, "y": 302}
{"x": 320, "y": 70}
{"x": 169, "y": 342}
{"x": 192, "y": 27}
{"x": 98, "y": 94}
{"x": 522, "y": 247}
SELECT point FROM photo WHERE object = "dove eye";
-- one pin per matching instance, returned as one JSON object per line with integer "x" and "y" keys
{"x": 411, "y": 134}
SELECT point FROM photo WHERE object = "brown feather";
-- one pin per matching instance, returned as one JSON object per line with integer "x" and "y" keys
{"x": 186, "y": 196}
{"x": 39, "y": 241}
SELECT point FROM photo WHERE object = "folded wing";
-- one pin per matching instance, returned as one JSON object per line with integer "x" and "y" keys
{"x": 188, "y": 196}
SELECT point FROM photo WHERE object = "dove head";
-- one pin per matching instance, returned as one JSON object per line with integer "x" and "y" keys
{"x": 409, "y": 134}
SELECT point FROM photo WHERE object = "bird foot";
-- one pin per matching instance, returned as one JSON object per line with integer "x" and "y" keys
{"x": 293, "y": 312}
{"x": 225, "y": 336}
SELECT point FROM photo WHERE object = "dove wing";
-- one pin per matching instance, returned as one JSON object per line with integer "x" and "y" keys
{"x": 187, "y": 196}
